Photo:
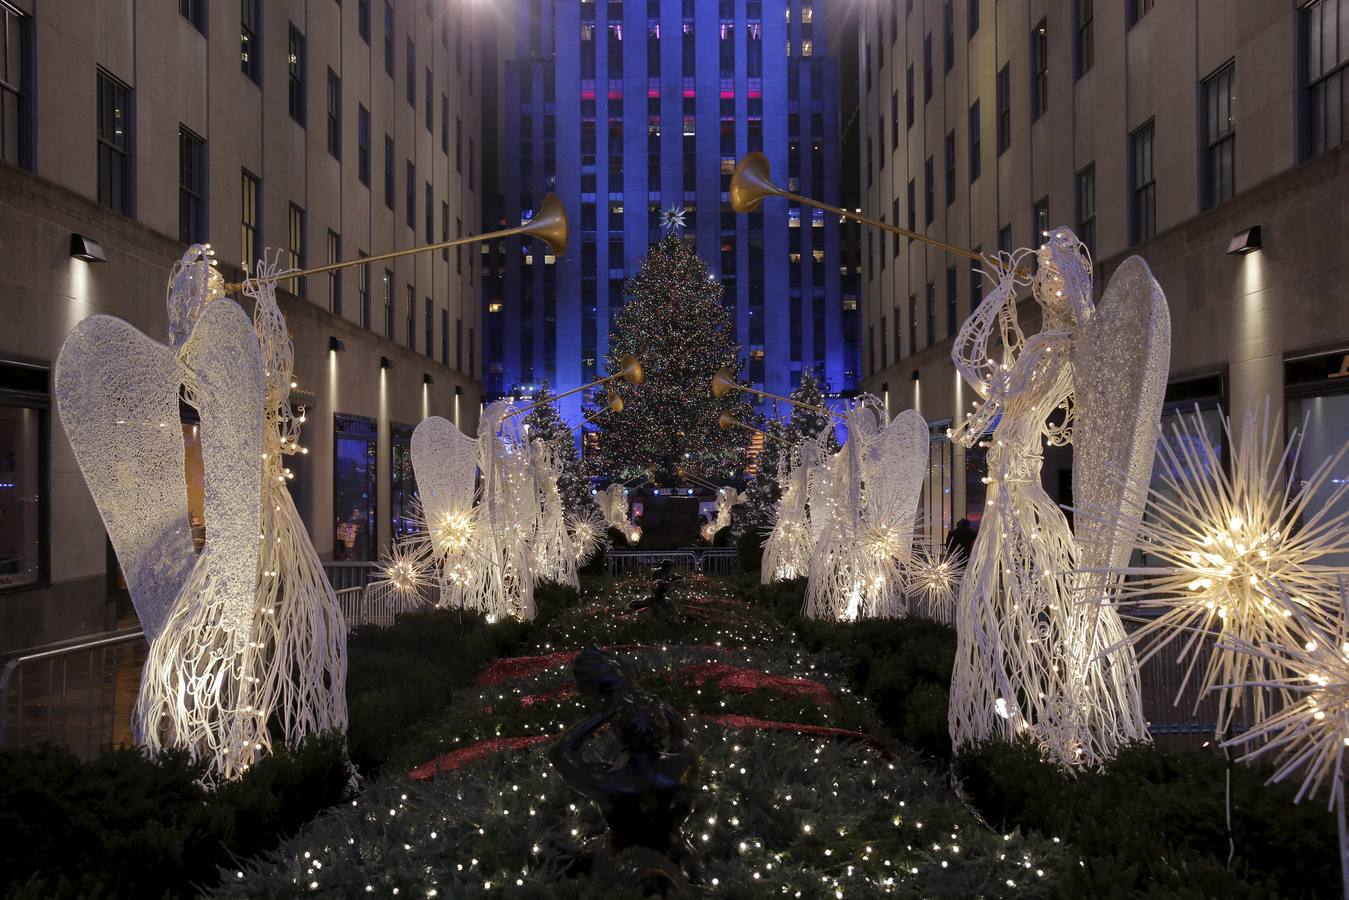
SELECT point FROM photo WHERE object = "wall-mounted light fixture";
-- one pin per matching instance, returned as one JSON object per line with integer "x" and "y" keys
{"x": 458, "y": 392}
{"x": 914, "y": 376}
{"x": 1244, "y": 242}
{"x": 427, "y": 379}
{"x": 87, "y": 249}
{"x": 335, "y": 345}
{"x": 385, "y": 362}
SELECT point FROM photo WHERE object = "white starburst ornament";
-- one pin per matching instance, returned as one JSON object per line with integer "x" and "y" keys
{"x": 933, "y": 582}
{"x": 672, "y": 219}
{"x": 588, "y": 534}
{"x": 1241, "y": 556}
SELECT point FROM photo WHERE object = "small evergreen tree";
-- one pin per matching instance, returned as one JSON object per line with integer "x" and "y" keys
{"x": 676, "y": 326}
{"x": 546, "y": 424}
{"x": 780, "y": 435}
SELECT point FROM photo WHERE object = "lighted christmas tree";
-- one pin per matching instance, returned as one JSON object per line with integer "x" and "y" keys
{"x": 780, "y": 434}
{"x": 675, "y": 325}
{"x": 546, "y": 424}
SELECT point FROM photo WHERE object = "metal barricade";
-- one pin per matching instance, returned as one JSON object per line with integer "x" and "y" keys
{"x": 349, "y": 573}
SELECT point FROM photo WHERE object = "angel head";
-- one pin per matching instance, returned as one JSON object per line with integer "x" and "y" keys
{"x": 193, "y": 283}
{"x": 1062, "y": 283}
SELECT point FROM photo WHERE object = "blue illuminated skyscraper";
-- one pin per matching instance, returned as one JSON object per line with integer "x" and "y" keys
{"x": 626, "y": 109}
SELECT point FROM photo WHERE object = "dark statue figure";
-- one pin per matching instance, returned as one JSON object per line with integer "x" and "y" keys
{"x": 646, "y": 792}
{"x": 663, "y": 576}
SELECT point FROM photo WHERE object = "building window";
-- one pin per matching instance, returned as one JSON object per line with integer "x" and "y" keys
{"x": 974, "y": 141}
{"x": 1326, "y": 50}
{"x": 388, "y": 38}
{"x": 250, "y": 50}
{"x": 908, "y": 96}
{"x": 363, "y": 144}
{"x": 931, "y": 320}
{"x": 444, "y": 124}
{"x": 1004, "y": 108}
{"x": 912, "y": 221}
{"x": 913, "y": 321}
{"x": 295, "y": 70}
{"x": 1220, "y": 135}
{"x": 355, "y": 468}
{"x": 410, "y": 57}
{"x": 429, "y": 112}
{"x": 334, "y": 115}
{"x": 445, "y": 232}
{"x": 363, "y": 20}
{"x": 952, "y": 311}
{"x": 1005, "y": 238}
{"x": 334, "y": 275}
{"x": 430, "y": 214}
{"x": 1039, "y": 87}
{"x": 894, "y": 120}
{"x": 411, "y": 318}
{"x": 948, "y": 35}
{"x": 14, "y": 109}
{"x": 191, "y": 187}
{"x": 1085, "y": 190}
{"x": 248, "y": 218}
{"x": 950, "y": 168}
{"x": 410, "y": 183}
{"x": 363, "y": 289}
{"x": 388, "y": 171}
{"x": 927, "y": 67}
{"x": 972, "y": 16}
{"x": 458, "y": 344}
{"x": 24, "y": 428}
{"x": 1138, "y": 9}
{"x": 445, "y": 337}
{"x": 458, "y": 145}
{"x": 195, "y": 12}
{"x": 114, "y": 144}
{"x": 430, "y": 318}
{"x": 388, "y": 304}
{"x": 1142, "y": 185}
{"x": 1039, "y": 219}
{"x": 404, "y": 516}
{"x": 880, "y": 132}
{"x": 885, "y": 361}
{"x": 930, "y": 191}
{"x": 976, "y": 283}
{"x": 295, "y": 247}
{"x": 1084, "y": 45}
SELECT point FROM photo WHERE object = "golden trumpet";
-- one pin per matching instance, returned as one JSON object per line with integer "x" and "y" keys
{"x": 630, "y": 370}
{"x": 752, "y": 182}
{"x": 723, "y": 383}
{"x": 549, "y": 225}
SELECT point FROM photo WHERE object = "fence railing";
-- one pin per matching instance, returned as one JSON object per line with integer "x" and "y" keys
{"x": 349, "y": 573}
{"x": 709, "y": 561}
{"x": 76, "y": 693}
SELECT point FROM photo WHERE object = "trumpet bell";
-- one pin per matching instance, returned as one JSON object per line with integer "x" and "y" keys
{"x": 631, "y": 370}
{"x": 615, "y": 402}
{"x": 723, "y": 383}
{"x": 549, "y": 224}
{"x": 751, "y": 183}
{"x": 726, "y": 421}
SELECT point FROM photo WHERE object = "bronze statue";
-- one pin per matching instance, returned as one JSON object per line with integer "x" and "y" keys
{"x": 658, "y": 601}
{"x": 646, "y": 792}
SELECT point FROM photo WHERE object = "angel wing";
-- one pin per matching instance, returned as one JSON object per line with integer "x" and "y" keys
{"x": 894, "y": 467}
{"x": 117, "y": 397}
{"x": 1121, "y": 356}
{"x": 445, "y": 463}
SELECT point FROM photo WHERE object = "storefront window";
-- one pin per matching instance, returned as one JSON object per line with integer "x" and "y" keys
{"x": 937, "y": 496}
{"x": 402, "y": 481}
{"x": 355, "y": 461}
{"x": 1187, "y": 401}
{"x": 1318, "y": 405}
{"x": 21, "y": 494}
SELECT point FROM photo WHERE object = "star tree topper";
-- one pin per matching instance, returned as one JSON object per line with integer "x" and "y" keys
{"x": 672, "y": 219}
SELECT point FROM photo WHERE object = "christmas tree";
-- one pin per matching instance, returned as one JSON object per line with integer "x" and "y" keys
{"x": 780, "y": 435}
{"x": 676, "y": 326}
{"x": 546, "y": 424}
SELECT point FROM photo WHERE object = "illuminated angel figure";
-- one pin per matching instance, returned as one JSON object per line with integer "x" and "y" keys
{"x": 727, "y": 500}
{"x": 553, "y": 554}
{"x": 1032, "y": 628}
{"x": 613, "y": 504}
{"x": 786, "y": 552}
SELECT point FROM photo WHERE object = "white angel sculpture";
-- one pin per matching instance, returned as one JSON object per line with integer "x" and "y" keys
{"x": 613, "y": 504}
{"x": 786, "y": 552}
{"x": 1035, "y": 614}
{"x": 554, "y": 556}
{"x": 248, "y": 634}
{"x": 727, "y": 499}
{"x": 867, "y": 512}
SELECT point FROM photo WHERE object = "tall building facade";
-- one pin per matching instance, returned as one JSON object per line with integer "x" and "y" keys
{"x": 320, "y": 131}
{"x": 629, "y": 109}
{"x": 986, "y": 122}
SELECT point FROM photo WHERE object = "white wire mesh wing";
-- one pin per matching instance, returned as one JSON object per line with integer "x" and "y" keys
{"x": 1121, "y": 357}
{"x": 894, "y": 468}
{"x": 445, "y": 462}
{"x": 117, "y": 396}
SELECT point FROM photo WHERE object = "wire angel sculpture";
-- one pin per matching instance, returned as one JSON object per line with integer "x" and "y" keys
{"x": 554, "y": 555}
{"x": 613, "y": 504}
{"x": 867, "y": 513}
{"x": 247, "y": 636}
{"x": 727, "y": 500}
{"x": 1038, "y": 636}
{"x": 786, "y": 553}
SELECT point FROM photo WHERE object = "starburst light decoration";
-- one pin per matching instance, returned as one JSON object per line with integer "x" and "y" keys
{"x": 932, "y": 582}
{"x": 1240, "y": 557}
{"x": 588, "y": 534}
{"x": 672, "y": 219}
